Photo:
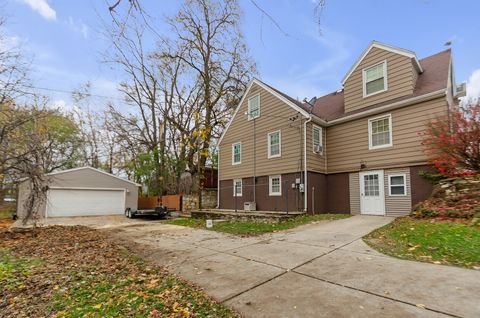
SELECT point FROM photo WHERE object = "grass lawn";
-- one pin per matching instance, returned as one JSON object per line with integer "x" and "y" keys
{"x": 439, "y": 242}
{"x": 257, "y": 228}
{"x": 78, "y": 272}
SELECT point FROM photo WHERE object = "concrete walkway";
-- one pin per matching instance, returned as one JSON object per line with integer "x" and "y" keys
{"x": 317, "y": 270}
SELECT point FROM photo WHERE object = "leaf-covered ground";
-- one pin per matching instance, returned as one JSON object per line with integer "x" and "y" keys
{"x": 256, "y": 228}
{"x": 6, "y": 214}
{"x": 78, "y": 272}
{"x": 439, "y": 242}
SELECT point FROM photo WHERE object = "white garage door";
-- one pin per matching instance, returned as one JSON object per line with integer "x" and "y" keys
{"x": 83, "y": 202}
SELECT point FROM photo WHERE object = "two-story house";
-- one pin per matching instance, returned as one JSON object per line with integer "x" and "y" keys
{"x": 357, "y": 150}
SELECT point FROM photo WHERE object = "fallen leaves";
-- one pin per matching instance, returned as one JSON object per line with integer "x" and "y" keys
{"x": 79, "y": 272}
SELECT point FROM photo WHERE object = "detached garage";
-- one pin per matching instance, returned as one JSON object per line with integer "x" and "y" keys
{"x": 83, "y": 191}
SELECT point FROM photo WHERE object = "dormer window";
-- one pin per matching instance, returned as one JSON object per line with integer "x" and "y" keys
{"x": 375, "y": 79}
{"x": 254, "y": 107}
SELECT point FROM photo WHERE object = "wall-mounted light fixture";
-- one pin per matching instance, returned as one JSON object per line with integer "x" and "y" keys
{"x": 363, "y": 165}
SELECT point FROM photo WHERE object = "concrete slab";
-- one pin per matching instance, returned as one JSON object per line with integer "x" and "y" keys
{"x": 322, "y": 239}
{"x": 443, "y": 288}
{"x": 293, "y": 295}
{"x": 359, "y": 246}
{"x": 274, "y": 252}
{"x": 350, "y": 280}
{"x": 229, "y": 243}
{"x": 224, "y": 276}
{"x": 181, "y": 254}
{"x": 337, "y": 233}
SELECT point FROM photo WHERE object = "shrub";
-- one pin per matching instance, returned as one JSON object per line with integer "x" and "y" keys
{"x": 452, "y": 143}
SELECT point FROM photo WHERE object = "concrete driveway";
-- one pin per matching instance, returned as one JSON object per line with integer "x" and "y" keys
{"x": 317, "y": 270}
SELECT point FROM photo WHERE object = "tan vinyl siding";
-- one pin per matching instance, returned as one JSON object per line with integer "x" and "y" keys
{"x": 348, "y": 142}
{"x": 316, "y": 162}
{"x": 397, "y": 205}
{"x": 400, "y": 79}
{"x": 354, "y": 184}
{"x": 394, "y": 205}
{"x": 274, "y": 115}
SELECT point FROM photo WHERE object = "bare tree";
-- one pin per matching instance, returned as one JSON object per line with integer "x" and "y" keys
{"x": 183, "y": 91}
{"x": 208, "y": 31}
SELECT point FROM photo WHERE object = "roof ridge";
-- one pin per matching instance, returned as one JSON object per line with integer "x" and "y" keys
{"x": 449, "y": 50}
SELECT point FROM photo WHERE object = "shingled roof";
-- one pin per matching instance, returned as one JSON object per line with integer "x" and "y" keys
{"x": 434, "y": 77}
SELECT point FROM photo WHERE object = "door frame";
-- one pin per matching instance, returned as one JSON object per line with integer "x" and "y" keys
{"x": 381, "y": 184}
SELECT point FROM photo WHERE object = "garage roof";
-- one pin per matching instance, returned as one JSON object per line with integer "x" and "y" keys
{"x": 94, "y": 169}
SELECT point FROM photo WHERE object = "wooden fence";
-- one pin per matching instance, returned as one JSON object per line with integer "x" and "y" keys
{"x": 149, "y": 202}
{"x": 172, "y": 202}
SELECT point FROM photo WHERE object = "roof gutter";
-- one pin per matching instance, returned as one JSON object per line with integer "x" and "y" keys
{"x": 381, "y": 109}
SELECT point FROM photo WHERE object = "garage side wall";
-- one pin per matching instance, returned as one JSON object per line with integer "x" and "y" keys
{"x": 88, "y": 178}
{"x": 23, "y": 191}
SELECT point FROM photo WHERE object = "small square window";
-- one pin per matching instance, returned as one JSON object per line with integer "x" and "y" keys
{"x": 236, "y": 153}
{"x": 397, "y": 185}
{"x": 274, "y": 144}
{"x": 254, "y": 107}
{"x": 237, "y": 187}
{"x": 275, "y": 185}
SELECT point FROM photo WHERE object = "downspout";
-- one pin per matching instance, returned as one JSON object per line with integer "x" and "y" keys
{"x": 218, "y": 177}
{"x": 305, "y": 173}
{"x": 325, "y": 149}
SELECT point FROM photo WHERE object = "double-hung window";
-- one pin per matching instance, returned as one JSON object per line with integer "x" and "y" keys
{"x": 317, "y": 142}
{"x": 254, "y": 107}
{"x": 380, "y": 132}
{"x": 274, "y": 144}
{"x": 237, "y": 187}
{"x": 236, "y": 153}
{"x": 375, "y": 79}
{"x": 275, "y": 185}
{"x": 397, "y": 185}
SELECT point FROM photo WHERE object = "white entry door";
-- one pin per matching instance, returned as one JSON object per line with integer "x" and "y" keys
{"x": 372, "y": 198}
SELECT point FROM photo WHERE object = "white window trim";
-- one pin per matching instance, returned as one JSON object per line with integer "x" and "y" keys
{"x": 397, "y": 185}
{"x": 370, "y": 120}
{"x": 385, "y": 80}
{"x": 248, "y": 107}
{"x": 233, "y": 153}
{"x": 321, "y": 139}
{"x": 241, "y": 187}
{"x": 279, "y": 144}
{"x": 270, "y": 192}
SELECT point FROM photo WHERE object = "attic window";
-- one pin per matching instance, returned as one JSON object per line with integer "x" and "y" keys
{"x": 254, "y": 107}
{"x": 375, "y": 79}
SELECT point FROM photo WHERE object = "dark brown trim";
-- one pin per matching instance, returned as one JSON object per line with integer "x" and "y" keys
{"x": 331, "y": 194}
{"x": 290, "y": 197}
{"x": 421, "y": 188}
{"x": 338, "y": 199}
{"x": 317, "y": 192}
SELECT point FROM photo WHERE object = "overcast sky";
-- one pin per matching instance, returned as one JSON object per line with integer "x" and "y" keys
{"x": 63, "y": 40}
